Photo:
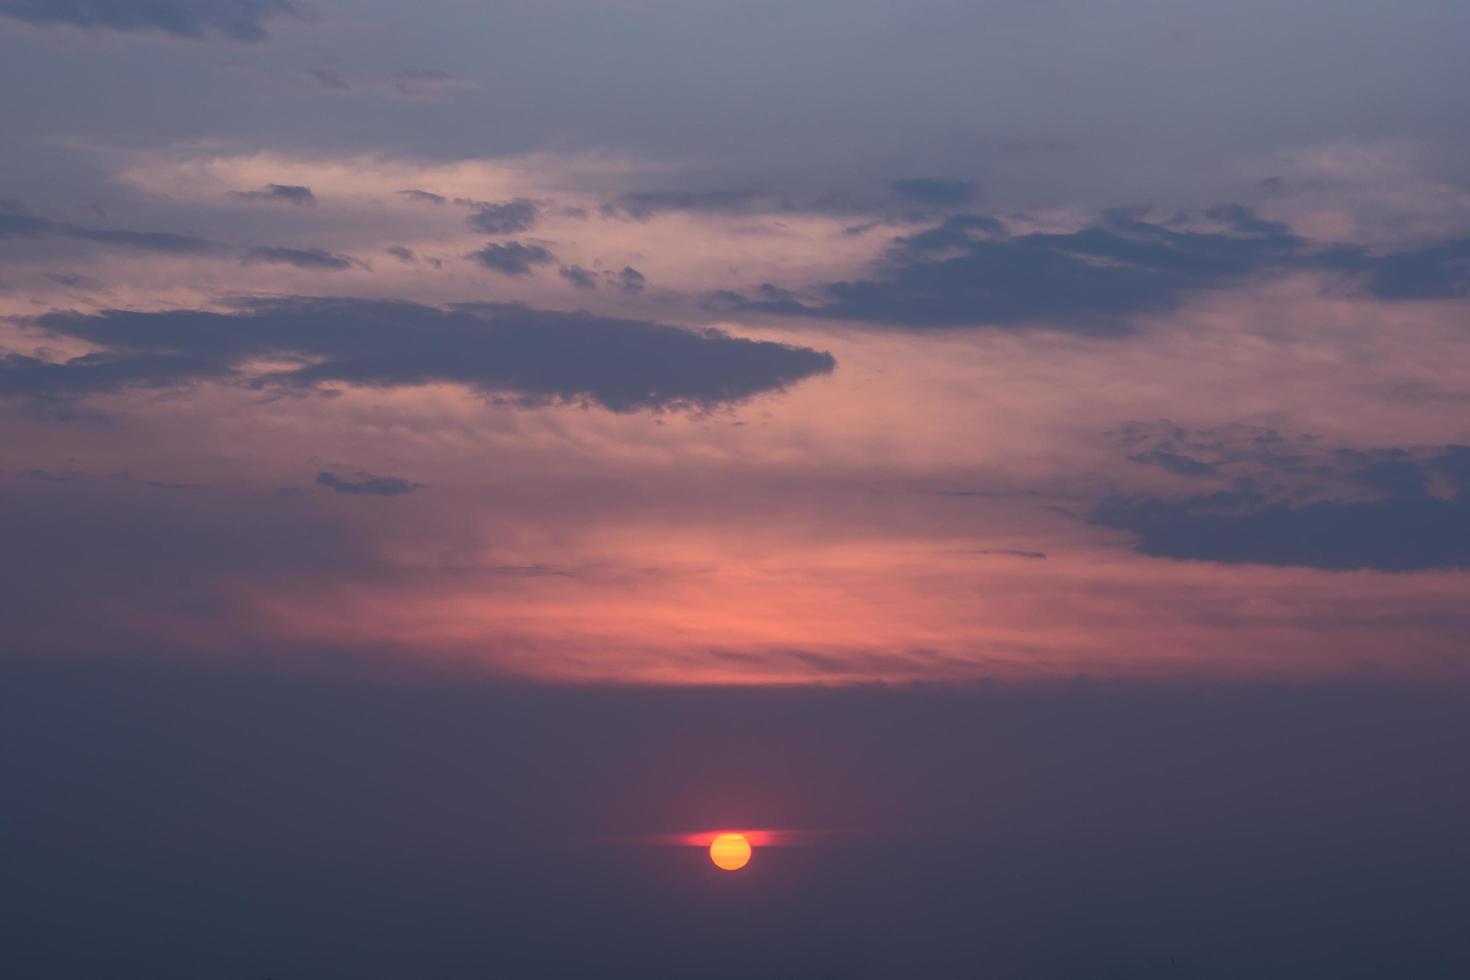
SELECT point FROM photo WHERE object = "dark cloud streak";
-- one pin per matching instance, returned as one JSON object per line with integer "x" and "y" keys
{"x": 536, "y": 356}
{"x": 512, "y": 258}
{"x": 301, "y": 258}
{"x": 282, "y": 193}
{"x": 15, "y": 222}
{"x": 366, "y": 484}
{"x": 936, "y": 191}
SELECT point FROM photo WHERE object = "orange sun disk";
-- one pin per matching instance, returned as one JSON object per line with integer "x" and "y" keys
{"x": 730, "y": 852}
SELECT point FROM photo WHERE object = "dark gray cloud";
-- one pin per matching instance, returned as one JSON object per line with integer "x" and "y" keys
{"x": 534, "y": 356}
{"x": 427, "y": 197}
{"x": 16, "y": 222}
{"x": 1438, "y": 272}
{"x": 1398, "y": 534}
{"x": 301, "y": 258}
{"x": 968, "y": 271}
{"x": 1296, "y": 502}
{"x": 238, "y": 20}
{"x": 402, "y": 253}
{"x": 939, "y": 192}
{"x": 281, "y": 193}
{"x": 955, "y": 233}
{"x": 149, "y": 241}
{"x": 505, "y": 218}
{"x": 366, "y": 484}
{"x": 578, "y": 276}
{"x": 632, "y": 280}
{"x": 512, "y": 258}
{"x": 106, "y": 371}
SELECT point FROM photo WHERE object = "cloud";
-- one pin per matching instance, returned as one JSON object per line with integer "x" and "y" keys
{"x": 367, "y": 484}
{"x": 512, "y": 258}
{"x": 578, "y": 276}
{"x": 1295, "y": 502}
{"x": 632, "y": 280}
{"x": 629, "y": 280}
{"x": 535, "y": 356}
{"x": 936, "y": 191}
{"x": 301, "y": 258}
{"x": 1174, "y": 462}
{"x": 105, "y": 372}
{"x": 969, "y": 271}
{"x": 402, "y": 253}
{"x": 505, "y": 218}
{"x": 1398, "y": 534}
{"x": 423, "y": 196}
{"x": 1438, "y": 272}
{"x": 16, "y": 222}
{"x": 238, "y": 20}
{"x": 150, "y": 241}
{"x": 281, "y": 193}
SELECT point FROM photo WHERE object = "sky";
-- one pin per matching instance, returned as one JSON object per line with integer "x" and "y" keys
{"x": 1011, "y": 455}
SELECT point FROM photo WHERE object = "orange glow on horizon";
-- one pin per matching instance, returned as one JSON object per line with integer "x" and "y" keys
{"x": 757, "y": 838}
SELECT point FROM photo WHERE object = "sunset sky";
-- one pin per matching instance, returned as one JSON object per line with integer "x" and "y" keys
{"x": 1011, "y": 457}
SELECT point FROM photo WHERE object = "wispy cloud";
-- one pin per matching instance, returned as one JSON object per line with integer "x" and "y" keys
{"x": 236, "y": 20}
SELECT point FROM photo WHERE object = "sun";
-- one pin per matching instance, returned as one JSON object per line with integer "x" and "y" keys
{"x": 730, "y": 852}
